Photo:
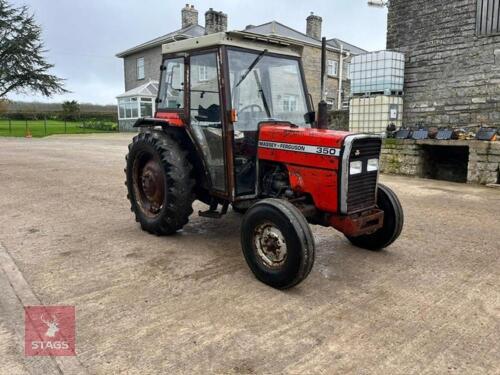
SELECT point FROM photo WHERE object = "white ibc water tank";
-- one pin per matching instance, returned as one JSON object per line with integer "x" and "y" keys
{"x": 373, "y": 114}
{"x": 377, "y": 72}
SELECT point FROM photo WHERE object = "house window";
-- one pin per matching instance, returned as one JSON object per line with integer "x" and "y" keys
{"x": 135, "y": 107}
{"x": 332, "y": 68}
{"x": 146, "y": 107}
{"x": 202, "y": 73}
{"x": 488, "y": 17}
{"x": 128, "y": 108}
{"x": 289, "y": 103}
{"x": 140, "y": 68}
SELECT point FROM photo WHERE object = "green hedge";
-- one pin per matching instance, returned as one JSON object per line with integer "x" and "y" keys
{"x": 60, "y": 116}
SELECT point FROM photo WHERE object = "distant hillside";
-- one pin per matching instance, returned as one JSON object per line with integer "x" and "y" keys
{"x": 34, "y": 107}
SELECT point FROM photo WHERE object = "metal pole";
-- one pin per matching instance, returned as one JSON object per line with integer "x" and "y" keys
{"x": 26, "y": 125}
{"x": 10, "y": 127}
{"x": 45, "y": 124}
{"x": 65, "y": 131}
{"x": 341, "y": 72}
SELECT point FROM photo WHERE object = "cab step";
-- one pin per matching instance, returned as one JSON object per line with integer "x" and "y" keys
{"x": 212, "y": 212}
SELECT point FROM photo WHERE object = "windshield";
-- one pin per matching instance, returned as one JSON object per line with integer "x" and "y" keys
{"x": 266, "y": 87}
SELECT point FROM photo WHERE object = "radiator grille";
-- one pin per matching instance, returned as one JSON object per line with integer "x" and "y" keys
{"x": 362, "y": 187}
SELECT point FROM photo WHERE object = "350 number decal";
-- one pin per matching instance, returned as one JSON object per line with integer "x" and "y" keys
{"x": 326, "y": 151}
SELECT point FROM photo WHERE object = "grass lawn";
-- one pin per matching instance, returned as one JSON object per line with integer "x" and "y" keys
{"x": 38, "y": 129}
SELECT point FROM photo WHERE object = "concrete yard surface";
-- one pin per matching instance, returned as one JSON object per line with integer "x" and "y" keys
{"x": 429, "y": 304}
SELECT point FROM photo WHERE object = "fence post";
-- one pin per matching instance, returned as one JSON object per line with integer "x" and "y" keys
{"x": 26, "y": 127}
{"x": 45, "y": 124}
{"x": 10, "y": 127}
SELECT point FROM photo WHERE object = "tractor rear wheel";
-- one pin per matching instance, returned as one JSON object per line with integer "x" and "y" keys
{"x": 387, "y": 201}
{"x": 159, "y": 183}
{"x": 277, "y": 243}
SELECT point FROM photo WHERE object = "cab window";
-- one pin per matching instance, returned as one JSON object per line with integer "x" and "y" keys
{"x": 172, "y": 88}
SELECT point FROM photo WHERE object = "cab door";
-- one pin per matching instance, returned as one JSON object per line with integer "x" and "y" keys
{"x": 206, "y": 116}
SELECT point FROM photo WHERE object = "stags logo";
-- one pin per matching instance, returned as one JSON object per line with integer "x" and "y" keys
{"x": 49, "y": 330}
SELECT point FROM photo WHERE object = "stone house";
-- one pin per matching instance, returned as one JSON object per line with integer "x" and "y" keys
{"x": 452, "y": 52}
{"x": 142, "y": 62}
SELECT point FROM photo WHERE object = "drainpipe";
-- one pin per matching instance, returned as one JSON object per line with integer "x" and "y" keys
{"x": 341, "y": 72}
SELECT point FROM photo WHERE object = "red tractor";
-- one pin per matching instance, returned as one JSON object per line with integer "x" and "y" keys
{"x": 235, "y": 125}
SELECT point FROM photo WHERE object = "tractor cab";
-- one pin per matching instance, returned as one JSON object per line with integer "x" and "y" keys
{"x": 221, "y": 87}
{"x": 235, "y": 126}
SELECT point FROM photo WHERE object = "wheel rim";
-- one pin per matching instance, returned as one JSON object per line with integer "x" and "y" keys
{"x": 149, "y": 184}
{"x": 270, "y": 245}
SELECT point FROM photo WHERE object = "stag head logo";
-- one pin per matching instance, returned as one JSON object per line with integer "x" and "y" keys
{"x": 52, "y": 325}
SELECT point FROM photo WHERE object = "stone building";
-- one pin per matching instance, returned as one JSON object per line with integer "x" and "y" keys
{"x": 142, "y": 62}
{"x": 452, "y": 60}
{"x": 452, "y": 79}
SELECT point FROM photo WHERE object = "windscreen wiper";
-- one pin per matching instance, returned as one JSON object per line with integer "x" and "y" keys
{"x": 262, "y": 95}
{"x": 250, "y": 68}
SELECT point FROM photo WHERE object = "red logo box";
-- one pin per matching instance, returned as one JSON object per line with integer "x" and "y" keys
{"x": 49, "y": 330}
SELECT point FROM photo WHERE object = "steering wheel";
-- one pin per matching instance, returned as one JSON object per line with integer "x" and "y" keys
{"x": 251, "y": 106}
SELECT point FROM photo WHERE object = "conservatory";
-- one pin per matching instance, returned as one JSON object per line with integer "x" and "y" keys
{"x": 136, "y": 103}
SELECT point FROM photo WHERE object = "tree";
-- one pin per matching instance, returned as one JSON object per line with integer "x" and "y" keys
{"x": 22, "y": 65}
{"x": 71, "y": 110}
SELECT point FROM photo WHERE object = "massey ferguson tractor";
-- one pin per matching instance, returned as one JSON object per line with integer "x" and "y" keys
{"x": 234, "y": 125}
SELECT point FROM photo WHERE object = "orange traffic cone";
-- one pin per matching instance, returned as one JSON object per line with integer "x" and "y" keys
{"x": 28, "y": 134}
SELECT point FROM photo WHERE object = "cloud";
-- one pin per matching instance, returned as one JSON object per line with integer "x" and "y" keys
{"x": 83, "y": 36}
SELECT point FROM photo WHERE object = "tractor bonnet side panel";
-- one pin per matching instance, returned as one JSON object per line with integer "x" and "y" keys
{"x": 312, "y": 158}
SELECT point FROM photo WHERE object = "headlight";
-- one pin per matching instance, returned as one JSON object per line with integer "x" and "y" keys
{"x": 372, "y": 165}
{"x": 356, "y": 167}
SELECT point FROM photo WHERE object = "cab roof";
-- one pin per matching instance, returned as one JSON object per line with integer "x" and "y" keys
{"x": 240, "y": 39}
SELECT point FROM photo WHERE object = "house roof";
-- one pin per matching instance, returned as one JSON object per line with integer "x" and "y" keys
{"x": 192, "y": 31}
{"x": 278, "y": 29}
{"x": 273, "y": 28}
{"x": 347, "y": 46}
{"x": 149, "y": 89}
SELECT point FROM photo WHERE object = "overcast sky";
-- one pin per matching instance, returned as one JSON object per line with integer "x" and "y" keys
{"x": 83, "y": 36}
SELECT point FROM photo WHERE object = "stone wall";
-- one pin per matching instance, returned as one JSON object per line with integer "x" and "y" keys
{"x": 402, "y": 157}
{"x": 452, "y": 75}
{"x": 407, "y": 157}
{"x": 311, "y": 60}
{"x": 338, "y": 120}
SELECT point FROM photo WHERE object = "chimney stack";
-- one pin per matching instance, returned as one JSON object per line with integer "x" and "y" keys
{"x": 189, "y": 16}
{"x": 314, "y": 26}
{"x": 215, "y": 22}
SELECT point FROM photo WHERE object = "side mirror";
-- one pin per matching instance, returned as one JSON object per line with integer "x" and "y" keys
{"x": 310, "y": 117}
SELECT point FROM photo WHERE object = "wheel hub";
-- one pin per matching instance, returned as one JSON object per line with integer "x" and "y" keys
{"x": 270, "y": 245}
{"x": 151, "y": 187}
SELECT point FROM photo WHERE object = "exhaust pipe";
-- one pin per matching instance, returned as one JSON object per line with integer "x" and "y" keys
{"x": 322, "y": 106}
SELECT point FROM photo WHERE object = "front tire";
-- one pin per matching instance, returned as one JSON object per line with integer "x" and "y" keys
{"x": 159, "y": 183}
{"x": 387, "y": 201}
{"x": 277, "y": 243}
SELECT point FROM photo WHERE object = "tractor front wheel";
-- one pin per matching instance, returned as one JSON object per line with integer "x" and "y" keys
{"x": 277, "y": 243}
{"x": 387, "y": 201}
{"x": 159, "y": 183}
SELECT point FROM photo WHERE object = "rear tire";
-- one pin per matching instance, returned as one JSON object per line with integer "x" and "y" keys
{"x": 159, "y": 183}
{"x": 393, "y": 222}
{"x": 277, "y": 243}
